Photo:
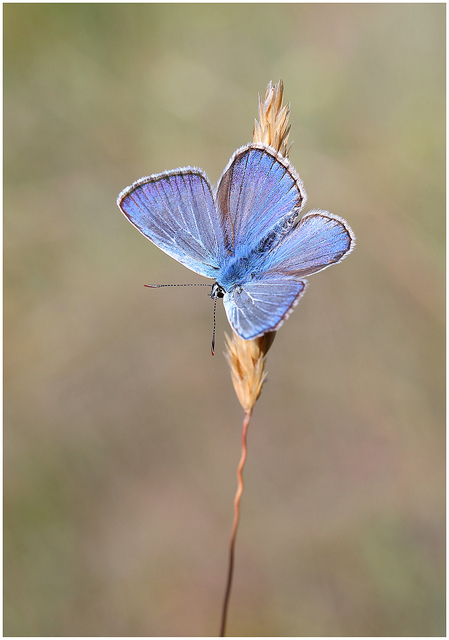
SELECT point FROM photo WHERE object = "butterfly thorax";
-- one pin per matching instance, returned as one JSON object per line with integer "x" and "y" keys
{"x": 238, "y": 270}
{"x": 249, "y": 265}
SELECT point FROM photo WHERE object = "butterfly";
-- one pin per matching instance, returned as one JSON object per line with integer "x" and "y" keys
{"x": 247, "y": 235}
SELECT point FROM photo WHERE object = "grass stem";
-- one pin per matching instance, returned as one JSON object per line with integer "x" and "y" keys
{"x": 235, "y": 523}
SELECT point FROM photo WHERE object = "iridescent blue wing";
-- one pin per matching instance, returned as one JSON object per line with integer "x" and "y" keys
{"x": 176, "y": 211}
{"x": 258, "y": 191}
{"x": 319, "y": 240}
{"x": 261, "y": 305}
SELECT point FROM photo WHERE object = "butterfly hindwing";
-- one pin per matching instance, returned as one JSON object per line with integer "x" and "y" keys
{"x": 261, "y": 305}
{"x": 319, "y": 240}
{"x": 176, "y": 211}
{"x": 263, "y": 301}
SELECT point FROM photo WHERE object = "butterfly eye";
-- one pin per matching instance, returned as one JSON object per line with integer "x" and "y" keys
{"x": 217, "y": 291}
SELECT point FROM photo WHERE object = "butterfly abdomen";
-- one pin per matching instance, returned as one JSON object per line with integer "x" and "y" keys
{"x": 250, "y": 264}
{"x": 275, "y": 235}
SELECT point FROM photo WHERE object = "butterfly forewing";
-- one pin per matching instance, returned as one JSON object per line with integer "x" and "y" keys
{"x": 257, "y": 191}
{"x": 176, "y": 211}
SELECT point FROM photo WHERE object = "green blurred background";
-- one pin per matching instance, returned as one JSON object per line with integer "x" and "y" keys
{"x": 121, "y": 433}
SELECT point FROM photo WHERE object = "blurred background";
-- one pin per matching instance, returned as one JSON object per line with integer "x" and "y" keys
{"x": 121, "y": 432}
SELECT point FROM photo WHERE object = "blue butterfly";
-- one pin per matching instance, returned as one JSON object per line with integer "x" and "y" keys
{"x": 247, "y": 235}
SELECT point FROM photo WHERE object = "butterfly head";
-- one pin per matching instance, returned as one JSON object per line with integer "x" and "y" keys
{"x": 217, "y": 291}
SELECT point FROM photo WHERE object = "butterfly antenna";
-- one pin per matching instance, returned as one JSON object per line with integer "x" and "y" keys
{"x": 190, "y": 284}
{"x": 212, "y": 348}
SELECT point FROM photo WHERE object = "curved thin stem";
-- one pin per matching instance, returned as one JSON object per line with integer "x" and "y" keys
{"x": 235, "y": 523}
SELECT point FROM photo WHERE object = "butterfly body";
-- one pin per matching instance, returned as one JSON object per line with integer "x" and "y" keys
{"x": 247, "y": 235}
{"x": 240, "y": 269}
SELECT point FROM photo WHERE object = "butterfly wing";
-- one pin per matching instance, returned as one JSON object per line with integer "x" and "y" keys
{"x": 319, "y": 240}
{"x": 176, "y": 211}
{"x": 261, "y": 305}
{"x": 259, "y": 190}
